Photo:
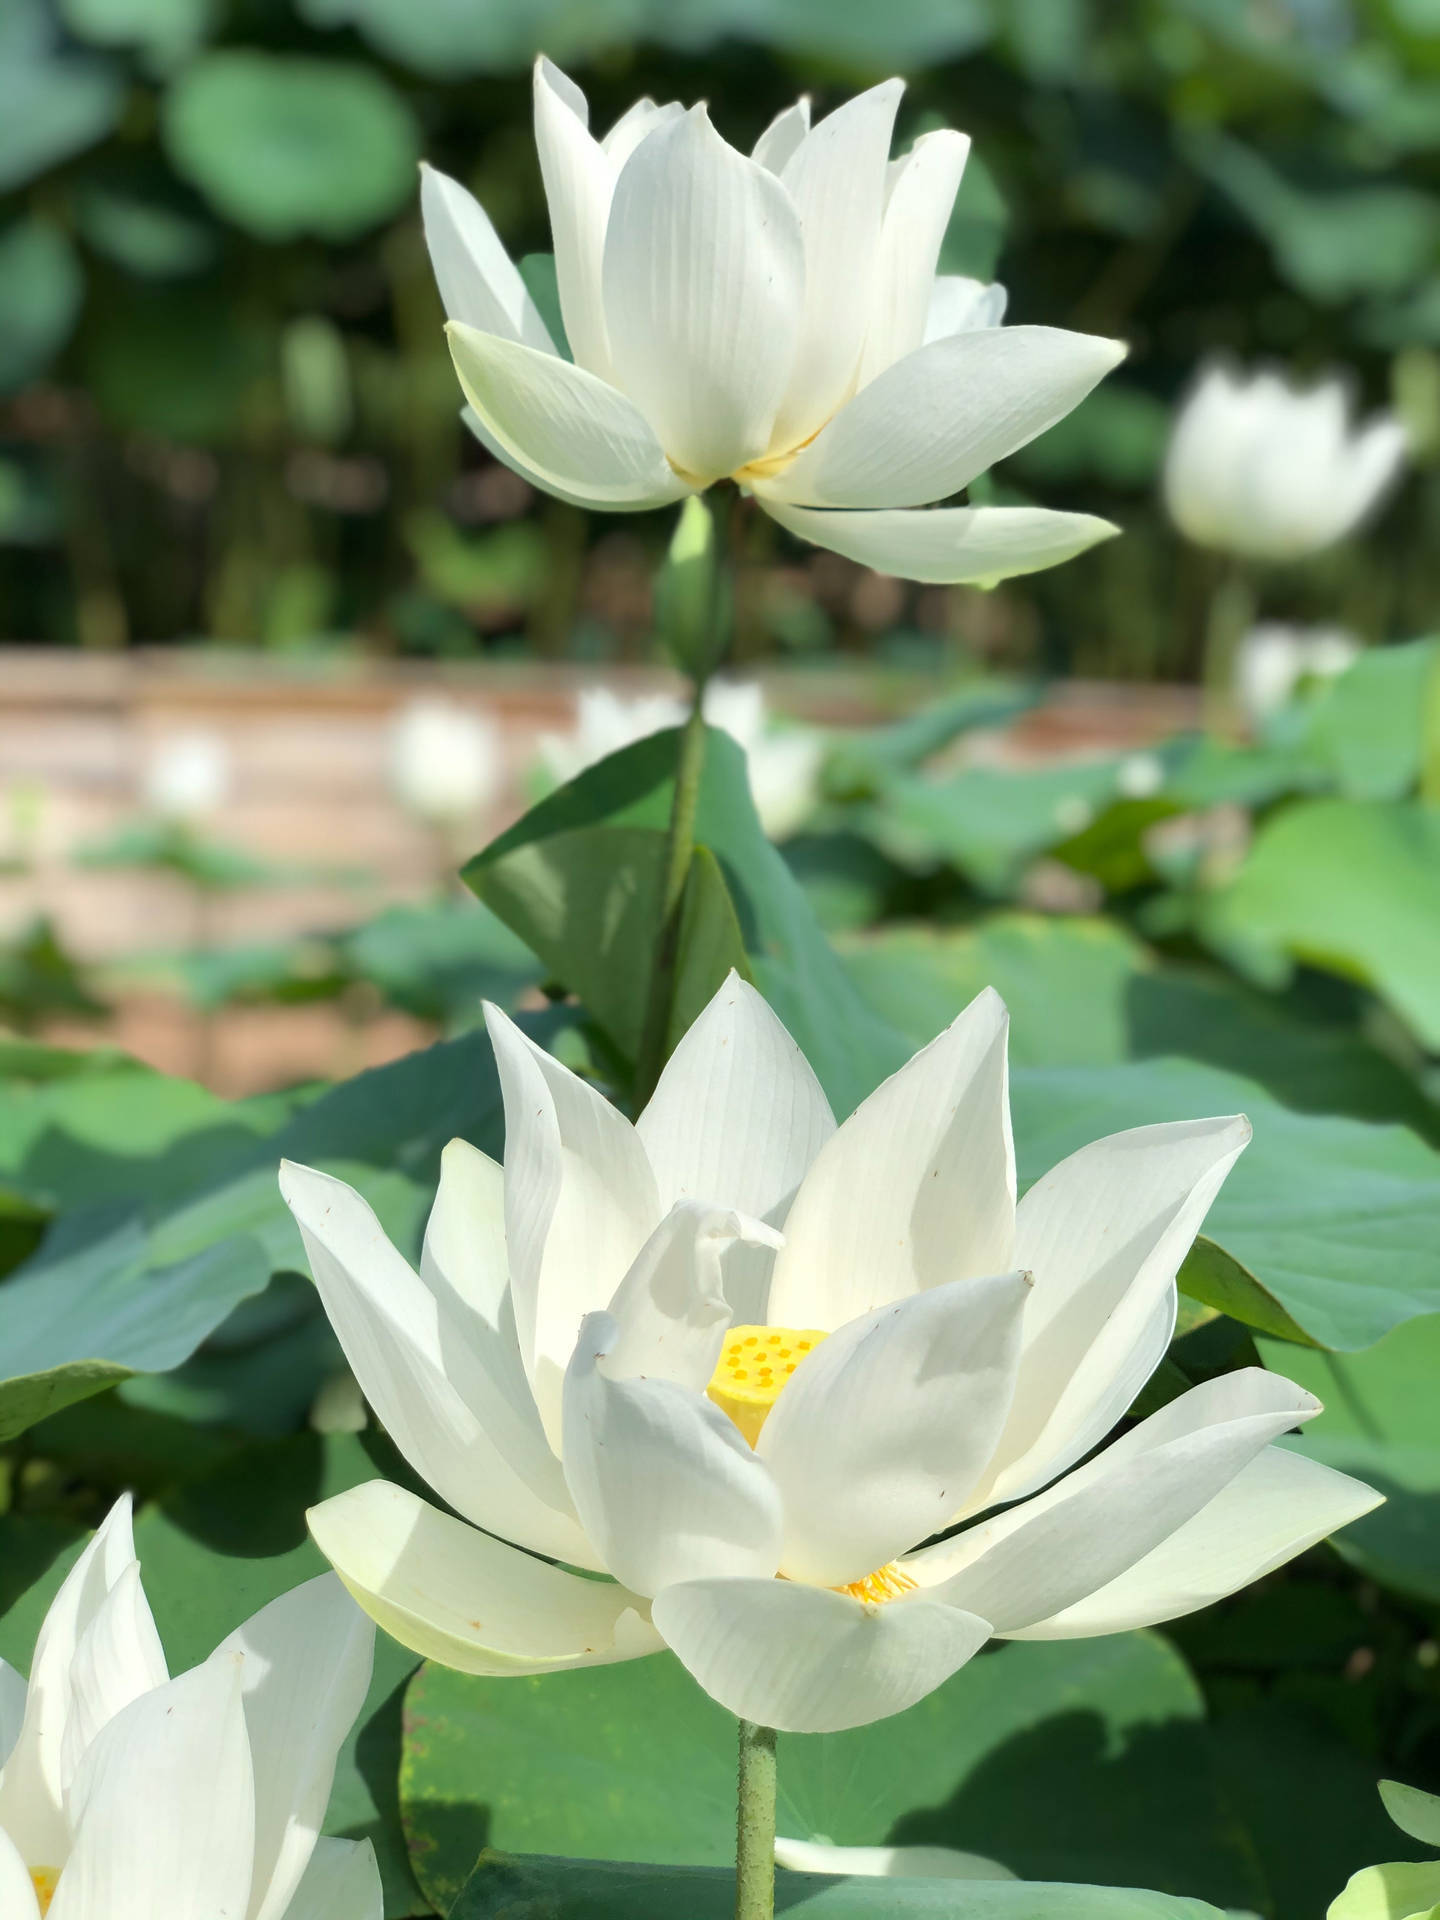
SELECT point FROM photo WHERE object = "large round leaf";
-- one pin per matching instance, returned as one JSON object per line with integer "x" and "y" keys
{"x": 52, "y": 103}
{"x": 505, "y": 1888}
{"x": 635, "y": 1762}
{"x": 1084, "y": 992}
{"x": 1379, "y": 1424}
{"x": 1349, "y": 885}
{"x": 1337, "y": 1219}
{"x": 446, "y": 37}
{"x": 285, "y": 146}
{"x": 166, "y": 30}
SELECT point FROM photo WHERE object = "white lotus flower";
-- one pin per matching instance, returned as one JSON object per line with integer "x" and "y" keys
{"x": 188, "y": 776}
{"x": 783, "y": 765}
{"x": 1268, "y": 471}
{"x": 775, "y": 319}
{"x": 446, "y": 762}
{"x": 125, "y": 1795}
{"x": 1273, "y": 659}
{"x": 605, "y": 1360}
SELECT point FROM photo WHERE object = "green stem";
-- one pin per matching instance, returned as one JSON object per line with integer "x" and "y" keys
{"x": 1430, "y": 737}
{"x": 1231, "y": 615}
{"x": 679, "y": 849}
{"x": 755, "y": 1824}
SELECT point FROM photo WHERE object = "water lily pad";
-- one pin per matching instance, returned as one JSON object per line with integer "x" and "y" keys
{"x": 615, "y": 1763}
{"x": 286, "y": 145}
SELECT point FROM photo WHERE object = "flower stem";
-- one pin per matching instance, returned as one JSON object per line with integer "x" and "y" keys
{"x": 1230, "y": 617}
{"x": 679, "y": 849}
{"x": 755, "y": 1824}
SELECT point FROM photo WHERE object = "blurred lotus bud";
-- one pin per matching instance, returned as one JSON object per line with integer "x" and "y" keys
{"x": 188, "y": 776}
{"x": 446, "y": 763}
{"x": 690, "y": 611}
{"x": 1274, "y": 660}
{"x": 1139, "y": 776}
{"x": 1266, "y": 471}
{"x": 784, "y": 764}
{"x": 604, "y": 723}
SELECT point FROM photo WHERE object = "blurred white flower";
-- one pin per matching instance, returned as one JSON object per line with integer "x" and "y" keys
{"x": 446, "y": 761}
{"x": 775, "y": 319}
{"x": 188, "y": 776}
{"x": 1139, "y": 775}
{"x": 1073, "y": 813}
{"x": 749, "y": 1363}
{"x": 784, "y": 763}
{"x": 1274, "y": 659}
{"x": 125, "y": 1795}
{"x": 1267, "y": 471}
{"x": 605, "y": 722}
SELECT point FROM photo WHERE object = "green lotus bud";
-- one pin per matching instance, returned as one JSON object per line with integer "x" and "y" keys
{"x": 692, "y": 603}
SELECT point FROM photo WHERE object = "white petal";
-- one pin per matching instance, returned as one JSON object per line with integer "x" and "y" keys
{"x": 464, "y": 1252}
{"x": 704, "y": 276}
{"x": 633, "y": 125}
{"x": 163, "y": 1808}
{"x": 579, "y": 180}
{"x": 12, "y": 1708}
{"x": 670, "y": 1310}
{"x": 664, "y": 1483}
{"x": 1273, "y": 1509}
{"x": 806, "y": 1660}
{"x": 1371, "y": 465}
{"x": 925, "y": 427}
{"x": 1104, "y": 1234}
{"x": 1038, "y": 1558}
{"x": 455, "y": 1595}
{"x": 117, "y": 1658}
{"x": 736, "y": 1119}
{"x": 916, "y": 215}
{"x": 947, "y": 545}
{"x": 959, "y": 304}
{"x": 448, "y": 1412}
{"x": 342, "y": 1882}
{"x": 917, "y": 1188}
{"x": 33, "y": 1783}
{"x": 580, "y": 1202}
{"x": 465, "y": 1265}
{"x": 479, "y": 283}
{"x": 837, "y": 179}
{"x": 783, "y": 135}
{"x": 304, "y": 1675}
{"x": 17, "y": 1889}
{"x": 890, "y": 1863}
{"x": 561, "y": 426}
{"x": 887, "y": 1425}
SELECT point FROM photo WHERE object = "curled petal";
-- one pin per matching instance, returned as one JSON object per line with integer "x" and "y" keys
{"x": 561, "y": 427}
{"x": 665, "y": 1485}
{"x": 453, "y": 1594}
{"x": 946, "y": 545}
{"x": 807, "y": 1660}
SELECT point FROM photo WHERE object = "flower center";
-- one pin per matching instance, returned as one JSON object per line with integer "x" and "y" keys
{"x": 754, "y": 1364}
{"x": 886, "y": 1583}
{"x": 45, "y": 1880}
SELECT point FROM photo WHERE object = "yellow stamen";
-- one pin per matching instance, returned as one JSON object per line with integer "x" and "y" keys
{"x": 754, "y": 1364}
{"x": 886, "y": 1583}
{"x": 45, "y": 1880}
